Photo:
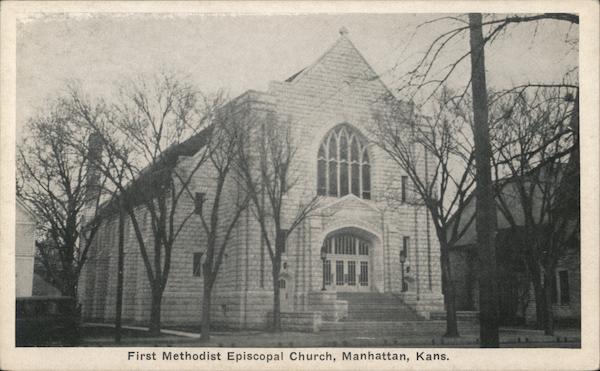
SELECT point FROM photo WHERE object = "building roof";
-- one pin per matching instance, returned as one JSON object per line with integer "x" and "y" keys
{"x": 510, "y": 197}
{"x": 151, "y": 178}
{"x": 341, "y": 55}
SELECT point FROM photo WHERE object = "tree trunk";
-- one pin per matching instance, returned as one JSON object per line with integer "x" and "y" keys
{"x": 449, "y": 295}
{"x": 485, "y": 205}
{"x": 540, "y": 302}
{"x": 119, "y": 304}
{"x": 155, "y": 310}
{"x": 276, "y": 299}
{"x": 549, "y": 315}
{"x": 70, "y": 290}
{"x": 206, "y": 304}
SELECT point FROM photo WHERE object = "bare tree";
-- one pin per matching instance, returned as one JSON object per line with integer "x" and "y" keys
{"x": 436, "y": 153}
{"x": 155, "y": 122}
{"x": 534, "y": 150}
{"x": 267, "y": 170}
{"x": 219, "y": 222}
{"x": 431, "y": 73}
{"x": 59, "y": 186}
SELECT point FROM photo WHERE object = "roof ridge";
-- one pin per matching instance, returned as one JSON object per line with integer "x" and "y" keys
{"x": 298, "y": 75}
{"x": 343, "y": 36}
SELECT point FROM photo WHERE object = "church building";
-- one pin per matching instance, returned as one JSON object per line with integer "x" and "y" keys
{"x": 357, "y": 247}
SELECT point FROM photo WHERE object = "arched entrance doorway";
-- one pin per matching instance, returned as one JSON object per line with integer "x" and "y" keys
{"x": 347, "y": 265}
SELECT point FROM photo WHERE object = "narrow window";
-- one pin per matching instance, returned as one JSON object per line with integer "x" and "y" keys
{"x": 404, "y": 185}
{"x": 351, "y": 273}
{"x": 198, "y": 202}
{"x": 563, "y": 280}
{"x": 366, "y": 177}
{"x": 339, "y": 272}
{"x": 554, "y": 290}
{"x": 355, "y": 179}
{"x": 363, "y": 248}
{"x": 343, "y": 178}
{"x": 405, "y": 245}
{"x": 197, "y": 264}
{"x": 343, "y": 164}
{"x": 354, "y": 167}
{"x": 322, "y": 172}
{"x": 354, "y": 150}
{"x": 333, "y": 184}
{"x": 343, "y": 146}
{"x": 364, "y": 274}
{"x": 338, "y": 245}
{"x": 327, "y": 272}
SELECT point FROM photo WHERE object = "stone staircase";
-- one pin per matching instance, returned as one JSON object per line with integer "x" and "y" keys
{"x": 400, "y": 328}
{"x": 373, "y": 306}
{"x": 376, "y": 314}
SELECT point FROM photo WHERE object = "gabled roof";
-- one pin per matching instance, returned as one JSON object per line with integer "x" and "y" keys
{"x": 511, "y": 197}
{"x": 343, "y": 55}
{"x": 338, "y": 53}
{"x": 146, "y": 182}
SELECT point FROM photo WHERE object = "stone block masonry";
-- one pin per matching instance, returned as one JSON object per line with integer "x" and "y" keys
{"x": 339, "y": 90}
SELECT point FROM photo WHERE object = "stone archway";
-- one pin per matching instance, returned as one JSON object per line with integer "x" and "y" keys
{"x": 353, "y": 261}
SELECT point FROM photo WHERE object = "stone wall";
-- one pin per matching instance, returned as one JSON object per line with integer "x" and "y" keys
{"x": 339, "y": 88}
{"x": 24, "y": 251}
{"x": 299, "y": 321}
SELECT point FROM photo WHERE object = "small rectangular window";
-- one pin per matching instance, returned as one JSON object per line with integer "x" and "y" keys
{"x": 554, "y": 290}
{"x": 327, "y": 272}
{"x": 351, "y": 273}
{"x": 197, "y": 267}
{"x": 198, "y": 202}
{"x": 563, "y": 280}
{"x": 339, "y": 272}
{"x": 405, "y": 245}
{"x": 404, "y": 187}
{"x": 366, "y": 182}
{"x": 364, "y": 274}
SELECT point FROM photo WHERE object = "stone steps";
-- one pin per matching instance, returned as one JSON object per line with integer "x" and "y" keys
{"x": 406, "y": 328}
{"x": 460, "y": 315}
{"x": 372, "y": 306}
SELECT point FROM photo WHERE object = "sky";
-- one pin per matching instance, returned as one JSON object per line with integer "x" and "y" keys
{"x": 237, "y": 53}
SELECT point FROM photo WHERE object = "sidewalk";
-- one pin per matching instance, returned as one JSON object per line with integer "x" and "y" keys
{"x": 509, "y": 337}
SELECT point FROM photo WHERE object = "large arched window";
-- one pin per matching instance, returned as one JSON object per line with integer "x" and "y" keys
{"x": 343, "y": 164}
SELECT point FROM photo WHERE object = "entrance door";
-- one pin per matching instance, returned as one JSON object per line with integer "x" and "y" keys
{"x": 346, "y": 267}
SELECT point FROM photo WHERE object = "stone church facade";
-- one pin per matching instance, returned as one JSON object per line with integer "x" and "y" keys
{"x": 331, "y": 105}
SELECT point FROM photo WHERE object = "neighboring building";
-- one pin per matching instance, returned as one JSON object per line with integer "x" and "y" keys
{"x": 330, "y": 104}
{"x": 24, "y": 250}
{"x": 41, "y": 287}
{"x": 516, "y": 296}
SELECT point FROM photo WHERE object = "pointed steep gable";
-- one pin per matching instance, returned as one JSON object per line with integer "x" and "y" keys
{"x": 340, "y": 77}
{"x": 341, "y": 63}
